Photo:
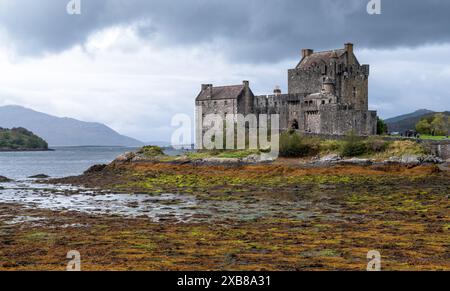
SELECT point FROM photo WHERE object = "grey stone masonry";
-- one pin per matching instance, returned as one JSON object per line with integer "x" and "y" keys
{"x": 327, "y": 94}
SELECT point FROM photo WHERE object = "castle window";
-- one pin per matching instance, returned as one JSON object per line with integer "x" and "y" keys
{"x": 323, "y": 102}
{"x": 330, "y": 101}
{"x": 226, "y": 102}
{"x": 354, "y": 91}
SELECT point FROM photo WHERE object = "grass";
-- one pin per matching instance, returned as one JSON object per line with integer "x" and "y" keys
{"x": 225, "y": 154}
{"x": 431, "y": 137}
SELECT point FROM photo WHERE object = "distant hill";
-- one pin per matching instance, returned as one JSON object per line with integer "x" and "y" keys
{"x": 406, "y": 122}
{"x": 417, "y": 113}
{"x": 59, "y": 131}
{"x": 20, "y": 139}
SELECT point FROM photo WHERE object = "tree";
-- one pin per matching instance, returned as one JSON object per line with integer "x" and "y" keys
{"x": 439, "y": 125}
{"x": 423, "y": 126}
{"x": 382, "y": 127}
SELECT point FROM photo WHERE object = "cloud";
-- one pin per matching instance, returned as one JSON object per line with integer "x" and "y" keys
{"x": 246, "y": 30}
{"x": 121, "y": 80}
{"x": 134, "y": 64}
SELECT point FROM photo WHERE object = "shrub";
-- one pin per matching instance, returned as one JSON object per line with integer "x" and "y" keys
{"x": 353, "y": 146}
{"x": 151, "y": 151}
{"x": 294, "y": 146}
{"x": 376, "y": 145}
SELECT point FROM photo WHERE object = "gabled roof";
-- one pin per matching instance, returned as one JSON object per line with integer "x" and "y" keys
{"x": 223, "y": 92}
{"x": 320, "y": 58}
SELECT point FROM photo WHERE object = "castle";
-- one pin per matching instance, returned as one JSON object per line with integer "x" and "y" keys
{"x": 327, "y": 94}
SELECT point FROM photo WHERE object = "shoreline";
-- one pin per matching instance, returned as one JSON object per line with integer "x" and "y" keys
{"x": 25, "y": 150}
{"x": 279, "y": 216}
{"x": 266, "y": 217}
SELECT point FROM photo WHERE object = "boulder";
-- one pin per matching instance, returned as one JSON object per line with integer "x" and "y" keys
{"x": 411, "y": 160}
{"x": 4, "y": 179}
{"x": 328, "y": 160}
{"x": 125, "y": 158}
{"x": 432, "y": 160}
{"x": 331, "y": 158}
{"x": 252, "y": 159}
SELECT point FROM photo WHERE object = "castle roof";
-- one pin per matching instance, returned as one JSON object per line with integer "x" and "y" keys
{"x": 320, "y": 57}
{"x": 222, "y": 92}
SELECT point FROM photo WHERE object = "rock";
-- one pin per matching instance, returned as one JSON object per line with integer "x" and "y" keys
{"x": 125, "y": 158}
{"x": 252, "y": 159}
{"x": 331, "y": 158}
{"x": 95, "y": 169}
{"x": 411, "y": 160}
{"x": 393, "y": 160}
{"x": 40, "y": 176}
{"x": 4, "y": 179}
{"x": 432, "y": 160}
{"x": 221, "y": 161}
{"x": 327, "y": 160}
{"x": 356, "y": 161}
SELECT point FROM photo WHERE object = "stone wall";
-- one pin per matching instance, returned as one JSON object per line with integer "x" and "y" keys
{"x": 336, "y": 119}
{"x": 439, "y": 148}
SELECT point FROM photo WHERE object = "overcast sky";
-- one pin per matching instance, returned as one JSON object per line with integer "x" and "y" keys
{"x": 133, "y": 64}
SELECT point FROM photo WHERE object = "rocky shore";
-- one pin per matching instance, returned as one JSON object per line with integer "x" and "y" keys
{"x": 237, "y": 213}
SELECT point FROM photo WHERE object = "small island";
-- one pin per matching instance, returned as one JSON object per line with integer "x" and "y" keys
{"x": 21, "y": 139}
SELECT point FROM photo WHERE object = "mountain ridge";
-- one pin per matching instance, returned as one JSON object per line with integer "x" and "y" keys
{"x": 63, "y": 131}
{"x": 406, "y": 122}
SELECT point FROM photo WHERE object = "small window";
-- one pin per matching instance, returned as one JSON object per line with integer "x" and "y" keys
{"x": 226, "y": 102}
{"x": 323, "y": 102}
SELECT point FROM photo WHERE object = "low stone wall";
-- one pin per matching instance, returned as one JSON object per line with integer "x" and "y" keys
{"x": 438, "y": 148}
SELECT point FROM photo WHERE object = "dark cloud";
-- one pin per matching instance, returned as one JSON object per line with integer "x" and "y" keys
{"x": 250, "y": 30}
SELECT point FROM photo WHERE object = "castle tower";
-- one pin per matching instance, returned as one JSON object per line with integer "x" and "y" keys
{"x": 328, "y": 86}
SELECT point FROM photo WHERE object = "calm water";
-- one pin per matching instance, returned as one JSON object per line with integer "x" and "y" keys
{"x": 67, "y": 161}
{"x": 64, "y": 161}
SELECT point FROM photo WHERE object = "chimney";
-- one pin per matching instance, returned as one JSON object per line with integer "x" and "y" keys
{"x": 246, "y": 84}
{"x": 307, "y": 52}
{"x": 209, "y": 88}
{"x": 349, "y": 48}
{"x": 277, "y": 91}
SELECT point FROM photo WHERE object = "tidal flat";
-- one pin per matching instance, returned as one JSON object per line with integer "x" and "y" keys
{"x": 253, "y": 217}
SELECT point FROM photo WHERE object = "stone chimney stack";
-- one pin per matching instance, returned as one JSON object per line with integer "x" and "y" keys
{"x": 307, "y": 52}
{"x": 246, "y": 84}
{"x": 208, "y": 88}
{"x": 277, "y": 91}
{"x": 349, "y": 48}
